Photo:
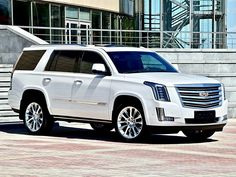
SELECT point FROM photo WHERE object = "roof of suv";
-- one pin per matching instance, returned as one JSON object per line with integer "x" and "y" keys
{"x": 108, "y": 48}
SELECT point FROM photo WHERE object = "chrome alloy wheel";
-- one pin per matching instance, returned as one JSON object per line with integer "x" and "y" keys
{"x": 130, "y": 122}
{"x": 34, "y": 117}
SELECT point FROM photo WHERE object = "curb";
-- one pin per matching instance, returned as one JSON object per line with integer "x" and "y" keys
{"x": 10, "y": 125}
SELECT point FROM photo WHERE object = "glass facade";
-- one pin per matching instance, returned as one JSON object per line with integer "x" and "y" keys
{"x": 72, "y": 12}
{"x": 166, "y": 23}
{"x": 184, "y": 24}
{"x": 5, "y": 12}
{"x": 106, "y": 24}
{"x": 41, "y": 18}
{"x": 57, "y": 20}
{"x": 127, "y": 7}
{"x": 151, "y": 15}
{"x": 22, "y": 13}
{"x": 96, "y": 24}
{"x": 84, "y": 14}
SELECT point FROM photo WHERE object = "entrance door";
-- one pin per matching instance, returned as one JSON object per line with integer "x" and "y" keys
{"x": 85, "y": 33}
{"x": 71, "y": 33}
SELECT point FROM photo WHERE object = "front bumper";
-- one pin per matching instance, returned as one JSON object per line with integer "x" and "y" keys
{"x": 179, "y": 117}
{"x": 176, "y": 129}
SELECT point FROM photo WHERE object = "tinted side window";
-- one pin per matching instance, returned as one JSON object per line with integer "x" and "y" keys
{"x": 63, "y": 61}
{"x": 88, "y": 60}
{"x": 29, "y": 60}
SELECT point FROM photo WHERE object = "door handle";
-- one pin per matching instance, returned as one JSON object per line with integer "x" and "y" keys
{"x": 78, "y": 82}
{"x": 47, "y": 80}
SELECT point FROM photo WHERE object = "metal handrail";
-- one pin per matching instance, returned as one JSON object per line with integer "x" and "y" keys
{"x": 145, "y": 38}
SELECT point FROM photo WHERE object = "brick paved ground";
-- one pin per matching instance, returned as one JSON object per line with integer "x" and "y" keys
{"x": 72, "y": 151}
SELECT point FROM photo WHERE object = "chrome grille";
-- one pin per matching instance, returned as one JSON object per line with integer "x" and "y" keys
{"x": 200, "y": 95}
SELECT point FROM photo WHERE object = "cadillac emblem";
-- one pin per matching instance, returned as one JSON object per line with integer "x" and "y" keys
{"x": 203, "y": 94}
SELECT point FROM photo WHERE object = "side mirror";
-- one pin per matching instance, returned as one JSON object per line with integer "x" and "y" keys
{"x": 99, "y": 68}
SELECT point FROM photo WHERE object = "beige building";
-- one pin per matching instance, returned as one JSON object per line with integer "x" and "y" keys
{"x": 44, "y": 17}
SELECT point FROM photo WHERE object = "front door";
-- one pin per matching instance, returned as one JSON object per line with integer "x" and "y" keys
{"x": 85, "y": 33}
{"x": 91, "y": 92}
{"x": 71, "y": 32}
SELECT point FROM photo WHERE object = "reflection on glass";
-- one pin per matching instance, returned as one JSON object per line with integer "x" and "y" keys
{"x": 96, "y": 24}
{"x": 5, "y": 12}
{"x": 41, "y": 18}
{"x": 22, "y": 13}
{"x": 72, "y": 12}
{"x": 57, "y": 21}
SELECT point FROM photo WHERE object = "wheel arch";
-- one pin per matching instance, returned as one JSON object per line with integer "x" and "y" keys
{"x": 32, "y": 92}
{"x": 124, "y": 99}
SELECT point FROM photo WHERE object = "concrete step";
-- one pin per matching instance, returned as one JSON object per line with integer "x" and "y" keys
{"x": 3, "y": 95}
{"x": 10, "y": 119}
{"x": 4, "y": 89}
{"x": 5, "y": 78}
{"x": 3, "y": 101}
{"x": 5, "y": 84}
{"x": 8, "y": 114}
{"x": 6, "y": 66}
{"x": 5, "y": 107}
{"x": 5, "y": 74}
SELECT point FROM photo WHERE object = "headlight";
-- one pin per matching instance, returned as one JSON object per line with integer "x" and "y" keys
{"x": 159, "y": 91}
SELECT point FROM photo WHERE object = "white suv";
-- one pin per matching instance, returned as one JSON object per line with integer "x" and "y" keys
{"x": 133, "y": 90}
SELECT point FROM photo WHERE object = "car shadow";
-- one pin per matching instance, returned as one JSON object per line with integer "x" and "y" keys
{"x": 89, "y": 134}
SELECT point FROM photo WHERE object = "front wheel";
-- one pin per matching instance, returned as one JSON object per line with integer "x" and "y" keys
{"x": 130, "y": 122}
{"x": 37, "y": 119}
{"x": 198, "y": 134}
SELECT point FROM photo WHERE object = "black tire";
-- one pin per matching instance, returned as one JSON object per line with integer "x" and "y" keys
{"x": 36, "y": 117}
{"x": 199, "y": 135}
{"x": 101, "y": 127}
{"x": 130, "y": 127}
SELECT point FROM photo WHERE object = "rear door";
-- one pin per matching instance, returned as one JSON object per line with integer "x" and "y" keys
{"x": 58, "y": 79}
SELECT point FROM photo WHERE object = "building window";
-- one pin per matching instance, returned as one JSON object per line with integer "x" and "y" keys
{"x": 57, "y": 20}
{"x": 41, "y": 19}
{"x": 41, "y": 14}
{"x": 72, "y": 12}
{"x": 127, "y": 7}
{"x": 22, "y": 13}
{"x": 84, "y": 14}
{"x": 96, "y": 24}
{"x": 5, "y": 12}
{"x": 106, "y": 24}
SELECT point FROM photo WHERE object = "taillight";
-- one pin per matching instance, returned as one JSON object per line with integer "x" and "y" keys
{"x": 12, "y": 77}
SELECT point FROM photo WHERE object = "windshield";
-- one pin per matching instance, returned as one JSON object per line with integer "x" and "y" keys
{"x": 136, "y": 62}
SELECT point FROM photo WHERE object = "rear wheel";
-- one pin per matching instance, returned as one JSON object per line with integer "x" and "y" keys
{"x": 101, "y": 127}
{"x": 130, "y": 122}
{"x": 198, "y": 134}
{"x": 37, "y": 119}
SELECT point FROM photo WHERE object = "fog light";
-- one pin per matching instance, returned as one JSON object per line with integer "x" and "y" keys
{"x": 161, "y": 115}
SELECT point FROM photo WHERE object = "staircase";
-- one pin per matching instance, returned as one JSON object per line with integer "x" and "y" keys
{"x": 6, "y": 113}
{"x": 180, "y": 18}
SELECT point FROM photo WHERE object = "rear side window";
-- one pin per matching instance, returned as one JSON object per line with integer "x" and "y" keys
{"x": 29, "y": 60}
{"x": 64, "y": 61}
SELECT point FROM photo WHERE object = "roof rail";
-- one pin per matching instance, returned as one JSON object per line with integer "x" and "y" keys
{"x": 53, "y": 45}
{"x": 110, "y": 45}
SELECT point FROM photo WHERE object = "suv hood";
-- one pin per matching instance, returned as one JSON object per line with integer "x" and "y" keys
{"x": 170, "y": 79}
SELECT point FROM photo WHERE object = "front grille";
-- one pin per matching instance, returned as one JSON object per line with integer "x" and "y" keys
{"x": 200, "y": 95}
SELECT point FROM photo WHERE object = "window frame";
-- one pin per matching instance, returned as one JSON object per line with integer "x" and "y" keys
{"x": 77, "y": 67}
{"x": 16, "y": 67}
{"x": 108, "y": 73}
